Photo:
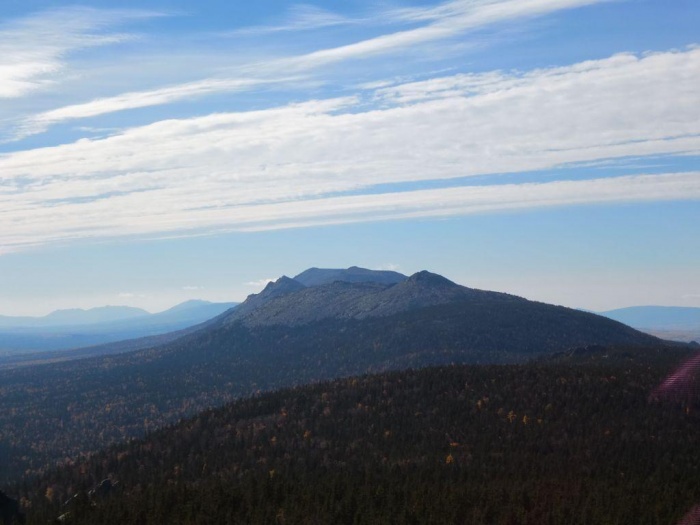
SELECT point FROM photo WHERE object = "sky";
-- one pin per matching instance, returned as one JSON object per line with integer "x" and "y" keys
{"x": 157, "y": 151}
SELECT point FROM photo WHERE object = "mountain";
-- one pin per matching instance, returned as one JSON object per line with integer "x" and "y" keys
{"x": 180, "y": 316}
{"x": 75, "y": 317}
{"x": 288, "y": 302}
{"x": 71, "y": 329}
{"x": 289, "y": 334}
{"x": 530, "y": 443}
{"x": 657, "y": 317}
{"x": 354, "y": 274}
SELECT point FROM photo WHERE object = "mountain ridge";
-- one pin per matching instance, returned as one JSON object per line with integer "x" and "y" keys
{"x": 288, "y": 302}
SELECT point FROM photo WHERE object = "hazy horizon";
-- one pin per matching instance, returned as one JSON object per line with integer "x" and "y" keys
{"x": 258, "y": 286}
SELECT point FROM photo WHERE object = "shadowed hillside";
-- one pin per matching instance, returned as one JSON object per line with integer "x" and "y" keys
{"x": 573, "y": 441}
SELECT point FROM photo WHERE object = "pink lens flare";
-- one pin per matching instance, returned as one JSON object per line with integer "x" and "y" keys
{"x": 683, "y": 385}
{"x": 692, "y": 518}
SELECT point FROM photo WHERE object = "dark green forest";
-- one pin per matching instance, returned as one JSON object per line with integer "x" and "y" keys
{"x": 569, "y": 439}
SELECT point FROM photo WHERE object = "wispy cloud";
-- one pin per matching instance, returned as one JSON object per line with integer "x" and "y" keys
{"x": 440, "y": 203}
{"x": 191, "y": 288}
{"x": 290, "y": 166}
{"x": 389, "y": 266}
{"x": 302, "y": 17}
{"x": 477, "y": 200}
{"x": 33, "y": 49}
{"x": 131, "y": 295}
{"x": 260, "y": 282}
{"x": 140, "y": 99}
{"x": 445, "y": 21}
{"x": 484, "y": 10}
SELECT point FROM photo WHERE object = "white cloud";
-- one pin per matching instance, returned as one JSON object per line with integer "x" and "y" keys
{"x": 286, "y": 166}
{"x": 390, "y": 267}
{"x": 33, "y": 49}
{"x": 190, "y": 288}
{"x": 302, "y": 17}
{"x": 42, "y": 121}
{"x": 446, "y": 202}
{"x": 131, "y": 295}
{"x": 260, "y": 282}
{"x": 484, "y": 11}
{"x": 446, "y": 21}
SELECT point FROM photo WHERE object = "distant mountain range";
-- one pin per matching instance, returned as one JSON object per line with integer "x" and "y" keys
{"x": 74, "y": 317}
{"x": 76, "y": 328}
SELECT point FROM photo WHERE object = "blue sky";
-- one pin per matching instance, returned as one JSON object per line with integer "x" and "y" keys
{"x": 157, "y": 151}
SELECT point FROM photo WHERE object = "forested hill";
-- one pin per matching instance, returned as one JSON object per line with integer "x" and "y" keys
{"x": 575, "y": 440}
{"x": 81, "y": 406}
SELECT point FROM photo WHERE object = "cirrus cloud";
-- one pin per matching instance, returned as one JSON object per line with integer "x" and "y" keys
{"x": 329, "y": 161}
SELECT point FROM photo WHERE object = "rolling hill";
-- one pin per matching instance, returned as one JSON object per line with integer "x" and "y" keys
{"x": 571, "y": 441}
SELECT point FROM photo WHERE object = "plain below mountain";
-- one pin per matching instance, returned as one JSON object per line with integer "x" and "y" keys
{"x": 657, "y": 317}
{"x": 676, "y": 323}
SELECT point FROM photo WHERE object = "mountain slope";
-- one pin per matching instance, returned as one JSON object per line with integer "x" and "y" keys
{"x": 287, "y": 335}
